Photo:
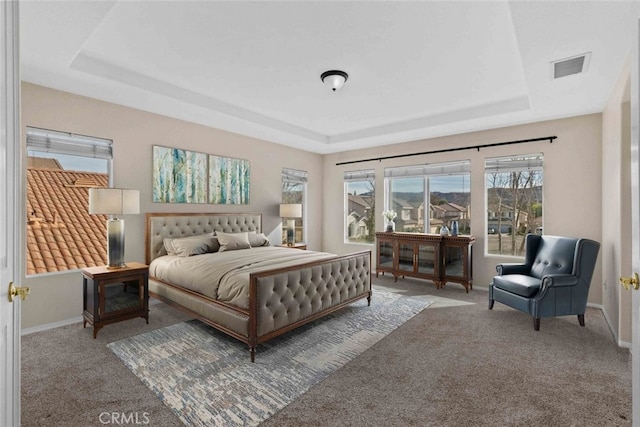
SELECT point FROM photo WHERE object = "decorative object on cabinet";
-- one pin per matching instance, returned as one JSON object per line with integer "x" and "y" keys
{"x": 114, "y": 201}
{"x": 440, "y": 259}
{"x": 454, "y": 228}
{"x": 389, "y": 217}
{"x": 110, "y": 296}
{"x": 291, "y": 211}
{"x": 444, "y": 230}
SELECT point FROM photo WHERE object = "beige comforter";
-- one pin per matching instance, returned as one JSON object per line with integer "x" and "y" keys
{"x": 225, "y": 275}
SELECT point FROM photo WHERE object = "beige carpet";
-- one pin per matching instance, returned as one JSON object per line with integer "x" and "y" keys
{"x": 454, "y": 364}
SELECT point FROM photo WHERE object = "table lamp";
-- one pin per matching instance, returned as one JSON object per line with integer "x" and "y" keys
{"x": 291, "y": 211}
{"x": 114, "y": 201}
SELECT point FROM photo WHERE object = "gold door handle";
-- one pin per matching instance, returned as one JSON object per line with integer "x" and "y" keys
{"x": 18, "y": 291}
{"x": 629, "y": 282}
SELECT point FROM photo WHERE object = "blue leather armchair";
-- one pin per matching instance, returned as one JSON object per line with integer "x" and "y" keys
{"x": 553, "y": 281}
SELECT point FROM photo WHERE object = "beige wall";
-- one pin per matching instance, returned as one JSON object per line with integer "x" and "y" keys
{"x": 572, "y": 190}
{"x": 616, "y": 207}
{"x": 572, "y": 183}
{"x": 58, "y": 297}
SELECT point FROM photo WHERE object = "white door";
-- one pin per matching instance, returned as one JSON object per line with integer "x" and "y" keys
{"x": 635, "y": 219}
{"x": 9, "y": 153}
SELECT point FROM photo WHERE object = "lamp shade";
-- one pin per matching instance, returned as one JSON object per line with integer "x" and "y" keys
{"x": 113, "y": 201}
{"x": 290, "y": 210}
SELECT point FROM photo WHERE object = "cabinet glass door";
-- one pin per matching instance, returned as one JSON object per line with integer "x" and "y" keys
{"x": 427, "y": 258}
{"x": 122, "y": 295}
{"x": 454, "y": 261}
{"x": 405, "y": 256}
{"x": 385, "y": 254}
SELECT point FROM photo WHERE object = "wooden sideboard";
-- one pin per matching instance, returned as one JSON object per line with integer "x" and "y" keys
{"x": 440, "y": 259}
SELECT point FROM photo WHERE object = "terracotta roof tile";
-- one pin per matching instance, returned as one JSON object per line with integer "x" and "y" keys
{"x": 61, "y": 235}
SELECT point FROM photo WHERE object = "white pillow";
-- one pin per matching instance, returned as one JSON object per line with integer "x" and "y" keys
{"x": 233, "y": 241}
{"x": 192, "y": 245}
{"x": 258, "y": 239}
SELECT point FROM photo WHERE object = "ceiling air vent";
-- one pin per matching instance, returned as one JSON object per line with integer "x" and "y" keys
{"x": 568, "y": 66}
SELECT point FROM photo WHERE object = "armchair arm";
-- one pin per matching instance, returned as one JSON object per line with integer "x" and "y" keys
{"x": 559, "y": 280}
{"x": 512, "y": 268}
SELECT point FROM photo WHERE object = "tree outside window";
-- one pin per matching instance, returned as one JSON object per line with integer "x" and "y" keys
{"x": 514, "y": 202}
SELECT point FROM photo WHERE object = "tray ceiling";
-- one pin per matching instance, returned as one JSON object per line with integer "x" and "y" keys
{"x": 416, "y": 69}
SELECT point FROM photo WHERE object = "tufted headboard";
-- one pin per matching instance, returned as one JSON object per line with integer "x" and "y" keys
{"x": 162, "y": 225}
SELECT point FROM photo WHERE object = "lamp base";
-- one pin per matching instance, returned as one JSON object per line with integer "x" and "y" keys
{"x": 115, "y": 243}
{"x": 116, "y": 267}
{"x": 291, "y": 232}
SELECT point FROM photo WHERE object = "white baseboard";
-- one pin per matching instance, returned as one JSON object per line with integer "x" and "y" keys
{"x": 622, "y": 344}
{"x": 40, "y": 328}
{"x": 591, "y": 304}
{"x": 48, "y": 326}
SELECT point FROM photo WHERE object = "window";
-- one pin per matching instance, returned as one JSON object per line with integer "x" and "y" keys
{"x": 442, "y": 187}
{"x": 360, "y": 203}
{"x": 514, "y": 202}
{"x": 61, "y": 167}
{"x": 294, "y": 190}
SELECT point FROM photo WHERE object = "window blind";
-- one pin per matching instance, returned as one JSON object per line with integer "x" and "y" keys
{"x": 514, "y": 163}
{"x": 449, "y": 168}
{"x": 363, "y": 175}
{"x": 50, "y": 141}
{"x": 293, "y": 175}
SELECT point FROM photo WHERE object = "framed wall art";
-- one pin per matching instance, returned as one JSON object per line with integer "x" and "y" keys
{"x": 228, "y": 180}
{"x": 183, "y": 176}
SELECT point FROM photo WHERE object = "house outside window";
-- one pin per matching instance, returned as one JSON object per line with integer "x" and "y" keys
{"x": 359, "y": 202}
{"x": 514, "y": 188}
{"x": 443, "y": 187}
{"x": 61, "y": 167}
{"x": 294, "y": 190}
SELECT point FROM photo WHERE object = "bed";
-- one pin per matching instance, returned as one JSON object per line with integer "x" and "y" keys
{"x": 292, "y": 288}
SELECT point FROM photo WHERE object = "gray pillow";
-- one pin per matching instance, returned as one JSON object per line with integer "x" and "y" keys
{"x": 192, "y": 245}
{"x": 233, "y": 241}
{"x": 258, "y": 239}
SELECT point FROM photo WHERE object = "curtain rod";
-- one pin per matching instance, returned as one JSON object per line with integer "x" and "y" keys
{"x": 445, "y": 150}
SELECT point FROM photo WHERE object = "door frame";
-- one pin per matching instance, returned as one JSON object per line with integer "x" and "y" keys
{"x": 635, "y": 221}
{"x": 10, "y": 211}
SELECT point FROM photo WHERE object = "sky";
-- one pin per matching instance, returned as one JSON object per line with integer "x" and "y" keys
{"x": 74, "y": 163}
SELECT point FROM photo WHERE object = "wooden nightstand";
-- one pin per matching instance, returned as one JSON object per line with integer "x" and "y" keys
{"x": 298, "y": 245}
{"x": 112, "y": 295}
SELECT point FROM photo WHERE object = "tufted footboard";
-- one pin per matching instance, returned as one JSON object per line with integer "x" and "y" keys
{"x": 283, "y": 299}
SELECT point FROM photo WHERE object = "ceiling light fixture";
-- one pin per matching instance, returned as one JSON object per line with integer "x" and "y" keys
{"x": 334, "y": 78}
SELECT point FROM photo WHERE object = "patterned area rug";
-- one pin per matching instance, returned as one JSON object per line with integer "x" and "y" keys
{"x": 207, "y": 379}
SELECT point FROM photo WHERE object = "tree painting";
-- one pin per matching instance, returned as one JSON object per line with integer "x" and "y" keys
{"x": 179, "y": 176}
{"x": 228, "y": 180}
